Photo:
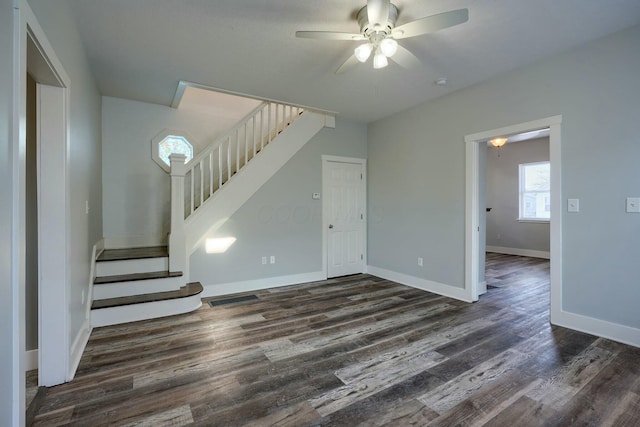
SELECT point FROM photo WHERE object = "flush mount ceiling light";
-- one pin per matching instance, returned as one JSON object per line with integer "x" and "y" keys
{"x": 378, "y": 29}
{"x": 498, "y": 142}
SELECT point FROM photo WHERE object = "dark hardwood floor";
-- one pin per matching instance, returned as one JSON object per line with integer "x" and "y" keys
{"x": 354, "y": 351}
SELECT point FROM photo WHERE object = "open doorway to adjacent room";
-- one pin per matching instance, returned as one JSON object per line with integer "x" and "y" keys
{"x": 489, "y": 215}
{"x": 516, "y": 197}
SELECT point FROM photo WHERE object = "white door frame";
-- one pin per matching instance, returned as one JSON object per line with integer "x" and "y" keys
{"x": 472, "y": 243}
{"x": 325, "y": 212}
{"x": 53, "y": 208}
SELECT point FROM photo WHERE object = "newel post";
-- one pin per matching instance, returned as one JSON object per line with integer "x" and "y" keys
{"x": 177, "y": 238}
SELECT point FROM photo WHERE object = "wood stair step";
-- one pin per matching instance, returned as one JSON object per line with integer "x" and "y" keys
{"x": 188, "y": 290}
{"x": 136, "y": 276}
{"x": 133, "y": 253}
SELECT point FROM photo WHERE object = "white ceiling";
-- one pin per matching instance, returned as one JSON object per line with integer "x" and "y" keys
{"x": 141, "y": 49}
{"x": 216, "y": 103}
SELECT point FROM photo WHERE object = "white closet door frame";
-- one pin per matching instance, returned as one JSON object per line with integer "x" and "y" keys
{"x": 325, "y": 214}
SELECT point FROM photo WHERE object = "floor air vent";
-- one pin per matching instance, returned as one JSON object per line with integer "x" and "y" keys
{"x": 232, "y": 300}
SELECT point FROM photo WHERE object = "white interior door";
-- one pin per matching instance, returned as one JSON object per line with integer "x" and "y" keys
{"x": 345, "y": 217}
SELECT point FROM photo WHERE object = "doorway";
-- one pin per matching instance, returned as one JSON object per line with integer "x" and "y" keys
{"x": 48, "y": 173}
{"x": 33, "y": 55}
{"x": 344, "y": 219}
{"x": 474, "y": 202}
{"x": 517, "y": 195}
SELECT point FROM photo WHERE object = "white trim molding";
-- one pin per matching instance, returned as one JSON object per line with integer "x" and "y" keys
{"x": 78, "y": 346}
{"x": 53, "y": 103}
{"x": 184, "y": 84}
{"x": 601, "y": 328}
{"x": 213, "y": 290}
{"x": 472, "y": 203}
{"x": 419, "y": 283}
{"x": 95, "y": 253}
{"x": 520, "y": 252}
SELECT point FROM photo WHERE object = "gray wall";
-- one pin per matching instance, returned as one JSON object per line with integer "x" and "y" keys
{"x": 31, "y": 255}
{"x": 9, "y": 329}
{"x": 503, "y": 227}
{"x": 281, "y": 219}
{"x": 417, "y": 173}
{"x": 85, "y": 165}
{"x": 136, "y": 191}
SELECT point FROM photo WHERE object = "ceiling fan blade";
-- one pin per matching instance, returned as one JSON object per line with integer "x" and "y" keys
{"x": 348, "y": 64}
{"x": 378, "y": 12}
{"x": 328, "y": 35}
{"x": 405, "y": 58}
{"x": 431, "y": 24}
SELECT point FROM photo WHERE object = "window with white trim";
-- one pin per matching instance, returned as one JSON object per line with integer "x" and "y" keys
{"x": 535, "y": 191}
{"x": 171, "y": 141}
{"x": 174, "y": 144}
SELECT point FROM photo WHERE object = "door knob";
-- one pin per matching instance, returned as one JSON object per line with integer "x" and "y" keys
{"x": 330, "y": 225}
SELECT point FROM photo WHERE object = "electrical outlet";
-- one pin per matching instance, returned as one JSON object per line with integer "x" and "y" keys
{"x": 273, "y": 259}
{"x": 264, "y": 260}
{"x": 420, "y": 261}
{"x": 633, "y": 204}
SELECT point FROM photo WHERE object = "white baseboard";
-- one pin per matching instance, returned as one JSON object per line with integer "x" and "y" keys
{"x": 77, "y": 348}
{"x": 30, "y": 360}
{"x": 601, "y": 328}
{"x": 120, "y": 242}
{"x": 97, "y": 250}
{"x": 99, "y": 246}
{"x": 520, "y": 252}
{"x": 213, "y": 290}
{"x": 423, "y": 284}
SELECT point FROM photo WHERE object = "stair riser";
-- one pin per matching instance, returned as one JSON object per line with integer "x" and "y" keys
{"x": 131, "y": 266}
{"x": 136, "y": 287}
{"x": 149, "y": 310}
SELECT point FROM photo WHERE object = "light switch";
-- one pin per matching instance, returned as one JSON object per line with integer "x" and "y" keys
{"x": 633, "y": 204}
{"x": 573, "y": 205}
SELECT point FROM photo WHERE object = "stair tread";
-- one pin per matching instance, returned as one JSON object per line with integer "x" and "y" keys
{"x": 133, "y": 253}
{"x": 101, "y": 280}
{"x": 188, "y": 290}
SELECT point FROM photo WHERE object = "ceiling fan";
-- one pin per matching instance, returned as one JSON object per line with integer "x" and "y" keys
{"x": 379, "y": 32}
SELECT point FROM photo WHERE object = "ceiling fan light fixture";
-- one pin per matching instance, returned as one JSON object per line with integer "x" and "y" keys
{"x": 388, "y": 47}
{"x": 380, "y": 37}
{"x": 363, "y": 52}
{"x": 379, "y": 60}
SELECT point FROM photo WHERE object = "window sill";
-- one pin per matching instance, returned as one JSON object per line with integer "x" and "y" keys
{"x": 541, "y": 221}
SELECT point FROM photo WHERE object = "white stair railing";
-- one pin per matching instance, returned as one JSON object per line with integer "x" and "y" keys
{"x": 215, "y": 166}
{"x": 194, "y": 183}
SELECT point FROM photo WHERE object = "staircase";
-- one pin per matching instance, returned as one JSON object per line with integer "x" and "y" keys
{"x": 143, "y": 283}
{"x": 136, "y": 284}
